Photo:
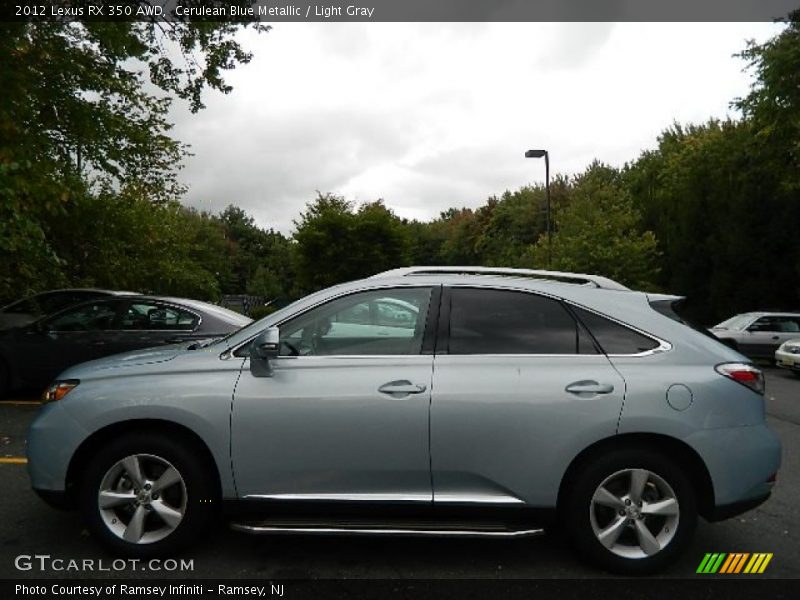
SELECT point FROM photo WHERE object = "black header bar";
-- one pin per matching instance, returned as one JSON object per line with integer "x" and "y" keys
{"x": 276, "y": 11}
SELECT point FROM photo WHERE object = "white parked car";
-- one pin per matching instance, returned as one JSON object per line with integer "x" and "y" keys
{"x": 787, "y": 356}
{"x": 758, "y": 334}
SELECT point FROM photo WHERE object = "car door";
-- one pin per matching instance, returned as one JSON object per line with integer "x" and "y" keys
{"x": 519, "y": 388}
{"x": 344, "y": 415}
{"x": 70, "y": 337}
{"x": 762, "y": 337}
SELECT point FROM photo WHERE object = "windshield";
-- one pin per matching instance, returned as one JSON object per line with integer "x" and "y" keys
{"x": 737, "y": 322}
{"x": 250, "y": 329}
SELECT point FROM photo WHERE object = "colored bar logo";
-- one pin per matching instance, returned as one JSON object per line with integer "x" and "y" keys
{"x": 736, "y": 562}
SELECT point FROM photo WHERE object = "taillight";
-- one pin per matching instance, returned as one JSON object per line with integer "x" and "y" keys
{"x": 743, "y": 373}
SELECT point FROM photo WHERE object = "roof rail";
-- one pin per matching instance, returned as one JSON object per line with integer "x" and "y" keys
{"x": 562, "y": 276}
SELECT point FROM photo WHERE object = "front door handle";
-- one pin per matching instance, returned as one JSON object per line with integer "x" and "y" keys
{"x": 402, "y": 387}
{"x": 589, "y": 388}
{"x": 776, "y": 337}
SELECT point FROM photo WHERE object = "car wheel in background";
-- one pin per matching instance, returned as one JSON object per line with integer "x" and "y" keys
{"x": 631, "y": 511}
{"x": 144, "y": 495}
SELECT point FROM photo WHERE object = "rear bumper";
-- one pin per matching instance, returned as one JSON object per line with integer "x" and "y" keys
{"x": 727, "y": 511}
{"x": 742, "y": 462}
{"x": 784, "y": 360}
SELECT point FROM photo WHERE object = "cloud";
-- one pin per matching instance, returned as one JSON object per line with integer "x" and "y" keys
{"x": 431, "y": 115}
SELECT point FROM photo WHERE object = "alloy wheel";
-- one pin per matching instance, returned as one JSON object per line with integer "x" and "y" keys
{"x": 142, "y": 498}
{"x": 634, "y": 513}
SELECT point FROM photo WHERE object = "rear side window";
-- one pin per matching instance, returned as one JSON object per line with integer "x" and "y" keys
{"x": 507, "y": 322}
{"x": 147, "y": 316}
{"x": 613, "y": 337}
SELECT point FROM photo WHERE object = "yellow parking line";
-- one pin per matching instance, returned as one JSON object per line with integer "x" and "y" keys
{"x": 13, "y": 460}
{"x": 20, "y": 402}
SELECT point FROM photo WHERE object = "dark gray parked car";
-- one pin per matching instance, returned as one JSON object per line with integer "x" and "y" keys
{"x": 32, "y": 355}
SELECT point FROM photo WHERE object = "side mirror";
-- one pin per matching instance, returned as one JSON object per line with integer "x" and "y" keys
{"x": 265, "y": 346}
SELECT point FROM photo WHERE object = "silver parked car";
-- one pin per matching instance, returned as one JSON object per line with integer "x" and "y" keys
{"x": 434, "y": 401}
{"x": 758, "y": 334}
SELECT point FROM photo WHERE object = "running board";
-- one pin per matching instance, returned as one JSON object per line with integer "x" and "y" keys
{"x": 421, "y": 529}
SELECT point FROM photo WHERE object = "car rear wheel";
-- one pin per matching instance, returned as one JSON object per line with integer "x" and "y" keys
{"x": 631, "y": 512}
{"x": 144, "y": 495}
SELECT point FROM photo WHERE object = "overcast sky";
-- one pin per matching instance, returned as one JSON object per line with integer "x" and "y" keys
{"x": 429, "y": 116}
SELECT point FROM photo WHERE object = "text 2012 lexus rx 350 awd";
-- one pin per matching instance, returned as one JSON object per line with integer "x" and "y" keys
{"x": 434, "y": 401}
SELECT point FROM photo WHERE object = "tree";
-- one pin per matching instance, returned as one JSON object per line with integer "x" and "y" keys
{"x": 87, "y": 102}
{"x": 773, "y": 105}
{"x": 337, "y": 242}
{"x": 599, "y": 232}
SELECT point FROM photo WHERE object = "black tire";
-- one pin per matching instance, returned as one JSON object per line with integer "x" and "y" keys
{"x": 195, "y": 496}
{"x": 581, "y": 516}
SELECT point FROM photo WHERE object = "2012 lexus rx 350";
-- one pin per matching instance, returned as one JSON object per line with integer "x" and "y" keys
{"x": 459, "y": 401}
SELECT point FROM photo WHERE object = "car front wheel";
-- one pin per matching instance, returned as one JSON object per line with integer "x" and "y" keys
{"x": 145, "y": 495}
{"x": 631, "y": 512}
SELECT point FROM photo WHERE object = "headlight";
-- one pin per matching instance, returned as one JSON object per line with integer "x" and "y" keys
{"x": 58, "y": 389}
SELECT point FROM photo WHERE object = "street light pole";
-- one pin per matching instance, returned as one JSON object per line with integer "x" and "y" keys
{"x": 546, "y": 155}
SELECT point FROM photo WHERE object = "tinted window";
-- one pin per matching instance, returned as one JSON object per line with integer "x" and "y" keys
{"x": 50, "y": 302}
{"x": 368, "y": 323}
{"x": 151, "y": 316}
{"x": 96, "y": 316}
{"x": 613, "y": 337}
{"x": 507, "y": 322}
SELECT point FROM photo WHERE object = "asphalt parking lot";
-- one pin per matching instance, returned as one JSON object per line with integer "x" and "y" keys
{"x": 29, "y": 527}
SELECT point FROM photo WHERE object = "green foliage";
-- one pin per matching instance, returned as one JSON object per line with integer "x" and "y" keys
{"x": 599, "y": 231}
{"x": 711, "y": 213}
{"x": 772, "y": 107}
{"x": 84, "y": 110}
{"x": 259, "y": 312}
{"x": 337, "y": 242}
{"x": 725, "y": 219}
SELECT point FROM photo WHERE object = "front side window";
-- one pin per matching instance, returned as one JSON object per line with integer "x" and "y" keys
{"x": 96, "y": 316}
{"x": 152, "y": 316}
{"x": 486, "y": 321}
{"x": 380, "y": 322}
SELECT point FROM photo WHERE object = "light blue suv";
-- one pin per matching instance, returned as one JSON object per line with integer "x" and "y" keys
{"x": 459, "y": 401}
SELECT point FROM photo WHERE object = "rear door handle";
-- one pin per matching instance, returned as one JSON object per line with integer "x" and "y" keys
{"x": 402, "y": 387}
{"x": 589, "y": 388}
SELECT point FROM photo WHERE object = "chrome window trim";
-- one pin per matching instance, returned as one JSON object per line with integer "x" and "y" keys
{"x": 663, "y": 345}
{"x": 181, "y": 308}
{"x": 176, "y": 307}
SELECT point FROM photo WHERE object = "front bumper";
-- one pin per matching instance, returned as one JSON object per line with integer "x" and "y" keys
{"x": 52, "y": 440}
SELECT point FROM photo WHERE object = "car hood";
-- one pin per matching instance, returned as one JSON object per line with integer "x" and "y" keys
{"x": 147, "y": 356}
